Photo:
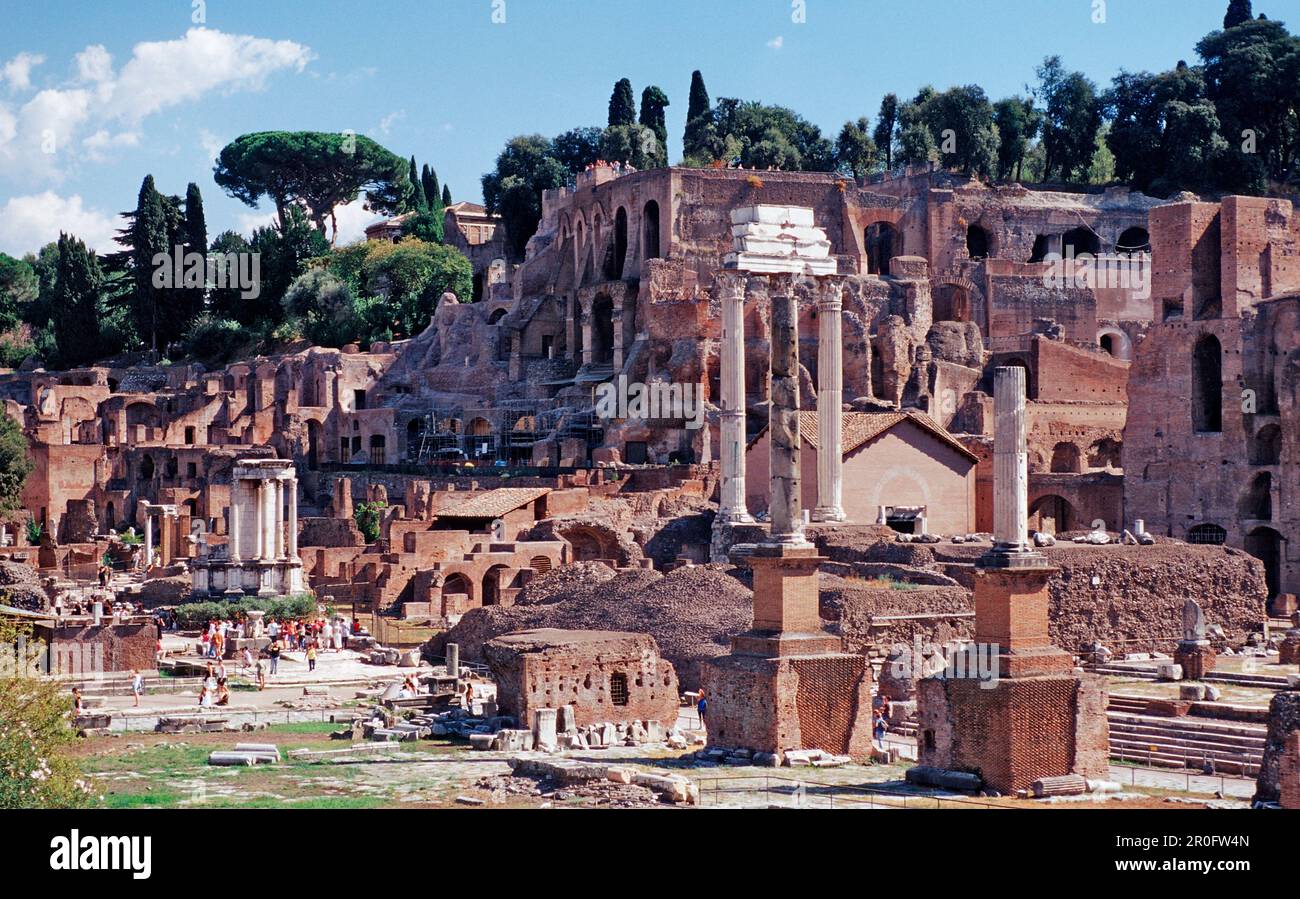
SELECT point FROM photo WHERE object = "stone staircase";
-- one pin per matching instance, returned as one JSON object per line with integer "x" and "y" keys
{"x": 118, "y": 683}
{"x": 1234, "y": 748}
{"x": 1265, "y": 681}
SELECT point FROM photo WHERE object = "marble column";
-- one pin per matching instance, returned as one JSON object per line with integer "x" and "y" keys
{"x": 148, "y": 539}
{"x": 277, "y": 517}
{"x": 731, "y": 507}
{"x": 233, "y": 530}
{"x": 259, "y": 521}
{"x": 1010, "y": 461}
{"x": 293, "y": 519}
{"x": 830, "y": 403}
{"x": 784, "y": 503}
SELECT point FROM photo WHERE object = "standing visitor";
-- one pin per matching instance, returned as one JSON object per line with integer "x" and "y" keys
{"x": 274, "y": 652}
{"x": 137, "y": 686}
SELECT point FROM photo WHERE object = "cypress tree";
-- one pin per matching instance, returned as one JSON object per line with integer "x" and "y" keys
{"x": 653, "y": 101}
{"x": 1238, "y": 12}
{"x": 195, "y": 238}
{"x": 150, "y": 232}
{"x": 418, "y": 200}
{"x": 622, "y": 104}
{"x": 698, "y": 118}
{"x": 446, "y": 195}
{"x": 75, "y": 310}
{"x": 429, "y": 182}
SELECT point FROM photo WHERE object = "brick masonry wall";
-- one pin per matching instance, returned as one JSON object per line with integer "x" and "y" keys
{"x": 118, "y": 647}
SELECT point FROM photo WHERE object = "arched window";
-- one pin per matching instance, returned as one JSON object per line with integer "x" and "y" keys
{"x": 977, "y": 242}
{"x": 1266, "y": 448}
{"x": 650, "y": 229}
{"x": 1207, "y": 385}
{"x": 1134, "y": 240}
{"x": 1210, "y": 534}
{"x": 1080, "y": 240}
{"x": 1257, "y": 502}
{"x": 1066, "y": 458}
{"x": 620, "y": 243}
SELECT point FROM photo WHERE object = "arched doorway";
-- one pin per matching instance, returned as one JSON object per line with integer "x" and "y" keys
{"x": 1256, "y": 503}
{"x": 494, "y": 581}
{"x": 650, "y": 230}
{"x": 1207, "y": 385}
{"x": 1265, "y": 544}
{"x": 602, "y": 330}
{"x": 977, "y": 242}
{"x": 1051, "y": 514}
{"x": 459, "y": 587}
{"x": 1116, "y": 343}
{"x": 952, "y": 304}
{"x": 110, "y": 517}
{"x": 146, "y": 468}
{"x": 1266, "y": 448}
{"x": 313, "y": 445}
{"x": 881, "y": 244}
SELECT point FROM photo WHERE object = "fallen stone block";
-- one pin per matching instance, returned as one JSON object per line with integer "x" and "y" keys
{"x": 946, "y": 779}
{"x": 766, "y": 759}
{"x": 1062, "y": 785}
{"x": 315, "y": 690}
{"x": 481, "y": 741}
{"x": 1169, "y": 671}
{"x": 259, "y": 748}
{"x": 674, "y": 789}
{"x": 1193, "y": 692}
{"x": 619, "y": 774}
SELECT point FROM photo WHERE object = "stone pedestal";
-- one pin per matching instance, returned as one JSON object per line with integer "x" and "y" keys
{"x": 1289, "y": 651}
{"x": 1032, "y": 715}
{"x": 1197, "y": 658}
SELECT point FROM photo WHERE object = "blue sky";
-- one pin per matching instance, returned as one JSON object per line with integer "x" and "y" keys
{"x": 94, "y": 96}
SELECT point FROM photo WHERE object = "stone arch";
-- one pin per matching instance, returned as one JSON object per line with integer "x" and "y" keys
{"x": 1066, "y": 458}
{"x": 1080, "y": 240}
{"x": 496, "y": 315}
{"x": 495, "y": 580}
{"x": 1052, "y": 514}
{"x": 1020, "y": 362}
{"x": 1266, "y": 544}
{"x": 1207, "y": 385}
{"x": 620, "y": 244}
{"x": 378, "y": 449}
{"x": 1256, "y": 501}
{"x": 978, "y": 242}
{"x": 1266, "y": 447}
{"x": 1114, "y": 341}
{"x": 146, "y": 468}
{"x": 479, "y": 427}
{"x": 460, "y": 584}
{"x": 1134, "y": 240}
{"x": 881, "y": 242}
{"x": 650, "y": 230}
{"x": 952, "y": 302}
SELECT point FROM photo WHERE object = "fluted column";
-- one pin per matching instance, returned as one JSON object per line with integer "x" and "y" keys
{"x": 259, "y": 521}
{"x": 1010, "y": 461}
{"x": 830, "y": 403}
{"x": 293, "y": 519}
{"x": 277, "y": 517}
{"x": 785, "y": 506}
{"x": 731, "y": 508}
{"x": 233, "y": 535}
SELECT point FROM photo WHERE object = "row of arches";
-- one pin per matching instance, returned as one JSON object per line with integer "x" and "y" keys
{"x": 612, "y": 264}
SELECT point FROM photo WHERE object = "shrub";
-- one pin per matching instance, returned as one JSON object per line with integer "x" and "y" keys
{"x": 215, "y": 340}
{"x": 367, "y": 516}
{"x": 192, "y": 615}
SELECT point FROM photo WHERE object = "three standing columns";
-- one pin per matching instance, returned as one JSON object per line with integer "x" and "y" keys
{"x": 830, "y": 403}
{"x": 731, "y": 507}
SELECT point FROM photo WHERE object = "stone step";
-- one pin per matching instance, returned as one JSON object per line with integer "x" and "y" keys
{"x": 1194, "y": 726}
{"x": 1188, "y": 746}
{"x": 1140, "y": 754}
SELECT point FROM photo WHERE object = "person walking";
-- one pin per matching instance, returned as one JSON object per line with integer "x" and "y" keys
{"x": 701, "y": 707}
{"x": 880, "y": 727}
{"x": 274, "y": 652}
{"x": 261, "y": 675}
{"x": 311, "y": 655}
{"x": 137, "y": 686}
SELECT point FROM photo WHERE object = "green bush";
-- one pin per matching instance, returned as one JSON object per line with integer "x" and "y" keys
{"x": 367, "y": 516}
{"x": 214, "y": 340}
{"x": 192, "y": 615}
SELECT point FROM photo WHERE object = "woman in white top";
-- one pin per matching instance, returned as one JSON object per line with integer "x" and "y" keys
{"x": 137, "y": 686}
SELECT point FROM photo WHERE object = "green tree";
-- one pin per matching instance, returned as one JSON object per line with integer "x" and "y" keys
{"x": 228, "y": 302}
{"x": 147, "y": 242}
{"x": 1072, "y": 114}
{"x": 1252, "y": 76}
{"x": 1238, "y": 13}
{"x": 526, "y": 167}
{"x": 446, "y": 195}
{"x": 886, "y": 124}
{"x": 699, "y": 123}
{"x": 759, "y": 136}
{"x": 368, "y": 516}
{"x": 195, "y": 234}
{"x": 635, "y": 144}
{"x": 75, "y": 307}
{"x": 855, "y": 151}
{"x": 284, "y": 254}
{"x": 1163, "y": 130}
{"x": 320, "y": 170}
{"x": 622, "y": 104}
{"x": 410, "y": 277}
{"x": 417, "y": 200}
{"x": 326, "y": 306}
{"x": 577, "y": 148}
{"x": 960, "y": 122}
{"x": 18, "y": 290}
{"x": 426, "y": 224}
{"x": 36, "y": 770}
{"x": 15, "y": 463}
{"x": 1017, "y": 122}
{"x": 653, "y": 103}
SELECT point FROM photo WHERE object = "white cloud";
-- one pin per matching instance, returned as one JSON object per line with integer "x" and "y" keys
{"x": 248, "y": 222}
{"x": 44, "y": 137}
{"x": 28, "y": 223}
{"x": 165, "y": 73}
{"x": 95, "y": 63}
{"x": 352, "y": 221}
{"x": 17, "y": 72}
{"x": 102, "y": 140}
{"x": 777, "y": 42}
{"x": 387, "y": 121}
{"x": 211, "y": 144}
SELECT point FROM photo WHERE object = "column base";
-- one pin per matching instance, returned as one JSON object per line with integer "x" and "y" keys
{"x": 731, "y": 517}
{"x": 828, "y": 513}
